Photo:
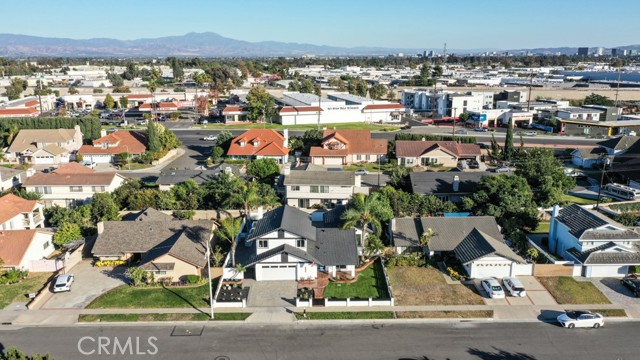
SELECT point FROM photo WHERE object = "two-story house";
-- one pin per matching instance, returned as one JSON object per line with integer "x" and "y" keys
{"x": 72, "y": 185}
{"x": 17, "y": 213}
{"x": 259, "y": 144}
{"x": 104, "y": 149}
{"x": 435, "y": 153}
{"x": 306, "y": 189}
{"x": 286, "y": 244}
{"x": 604, "y": 248}
{"x": 343, "y": 147}
{"x": 44, "y": 146}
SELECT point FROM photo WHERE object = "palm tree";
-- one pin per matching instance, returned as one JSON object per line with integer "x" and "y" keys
{"x": 228, "y": 230}
{"x": 425, "y": 238}
{"x": 239, "y": 269}
{"x": 246, "y": 197}
{"x": 364, "y": 210}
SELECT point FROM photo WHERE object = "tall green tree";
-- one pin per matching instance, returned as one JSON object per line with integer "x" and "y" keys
{"x": 228, "y": 230}
{"x": 264, "y": 170}
{"x": 509, "y": 150}
{"x": 246, "y": 197}
{"x": 124, "y": 102}
{"x": 109, "y": 102}
{"x": 595, "y": 99}
{"x": 261, "y": 104}
{"x": 104, "y": 208}
{"x": 15, "y": 89}
{"x": 363, "y": 210}
{"x": 544, "y": 174}
{"x": 66, "y": 233}
{"x": 378, "y": 91}
{"x": 153, "y": 138}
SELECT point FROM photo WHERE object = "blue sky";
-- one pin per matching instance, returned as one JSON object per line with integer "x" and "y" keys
{"x": 462, "y": 24}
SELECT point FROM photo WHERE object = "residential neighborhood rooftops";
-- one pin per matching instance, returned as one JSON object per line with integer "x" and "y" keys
{"x": 70, "y": 179}
{"x": 15, "y": 243}
{"x": 599, "y": 255}
{"x": 580, "y": 220}
{"x": 356, "y": 141}
{"x": 619, "y": 143}
{"x": 590, "y": 152}
{"x": 443, "y": 182}
{"x": 285, "y": 218}
{"x": 407, "y": 148}
{"x": 269, "y": 143}
{"x": 132, "y": 142}
{"x": 11, "y": 206}
{"x": 478, "y": 244}
{"x": 337, "y": 178}
{"x": 27, "y": 138}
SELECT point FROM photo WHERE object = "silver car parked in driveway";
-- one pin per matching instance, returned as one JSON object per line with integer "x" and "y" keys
{"x": 63, "y": 283}
{"x": 514, "y": 287}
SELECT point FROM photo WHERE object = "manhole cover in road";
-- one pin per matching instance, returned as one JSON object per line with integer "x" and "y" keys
{"x": 187, "y": 331}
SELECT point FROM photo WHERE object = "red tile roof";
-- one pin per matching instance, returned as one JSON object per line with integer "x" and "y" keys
{"x": 15, "y": 243}
{"x": 162, "y": 105}
{"x": 11, "y": 205}
{"x": 408, "y": 148}
{"x": 77, "y": 179}
{"x": 139, "y": 96}
{"x": 265, "y": 148}
{"x": 384, "y": 107}
{"x": 132, "y": 142}
{"x": 19, "y": 111}
{"x": 31, "y": 103}
{"x": 73, "y": 168}
{"x": 357, "y": 141}
{"x": 233, "y": 109}
{"x": 299, "y": 109}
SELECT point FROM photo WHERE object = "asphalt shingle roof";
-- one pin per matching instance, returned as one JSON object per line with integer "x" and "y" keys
{"x": 599, "y": 256}
{"x": 477, "y": 245}
{"x": 285, "y": 218}
{"x": 248, "y": 258}
{"x": 619, "y": 143}
{"x": 450, "y": 231}
{"x": 442, "y": 182}
{"x": 334, "y": 247}
{"x": 335, "y": 178}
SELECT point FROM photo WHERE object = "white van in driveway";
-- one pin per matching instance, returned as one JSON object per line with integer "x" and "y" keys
{"x": 514, "y": 286}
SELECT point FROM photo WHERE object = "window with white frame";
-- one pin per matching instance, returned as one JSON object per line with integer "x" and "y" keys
{"x": 75, "y": 188}
{"x": 263, "y": 244}
{"x": 301, "y": 243}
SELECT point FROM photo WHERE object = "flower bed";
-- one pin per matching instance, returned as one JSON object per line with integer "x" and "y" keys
{"x": 232, "y": 293}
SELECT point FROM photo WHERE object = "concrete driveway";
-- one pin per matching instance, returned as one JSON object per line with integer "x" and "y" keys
{"x": 90, "y": 282}
{"x": 536, "y": 294}
{"x": 616, "y": 292}
{"x": 271, "y": 293}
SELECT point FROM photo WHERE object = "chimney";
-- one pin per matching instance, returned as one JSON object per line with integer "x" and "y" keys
{"x": 456, "y": 183}
{"x": 100, "y": 226}
{"x": 423, "y": 139}
{"x": 287, "y": 170}
{"x": 285, "y": 133}
{"x": 103, "y": 132}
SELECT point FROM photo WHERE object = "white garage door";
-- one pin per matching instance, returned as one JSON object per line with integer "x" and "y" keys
{"x": 44, "y": 160}
{"x": 98, "y": 159}
{"x": 333, "y": 160}
{"x": 276, "y": 272}
{"x": 607, "y": 271}
{"x": 490, "y": 270}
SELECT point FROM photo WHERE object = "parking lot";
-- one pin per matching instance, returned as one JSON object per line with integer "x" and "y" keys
{"x": 536, "y": 294}
{"x": 89, "y": 283}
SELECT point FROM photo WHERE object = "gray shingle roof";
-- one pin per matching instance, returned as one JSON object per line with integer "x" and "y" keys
{"x": 610, "y": 235}
{"x": 477, "y": 245}
{"x": 337, "y": 178}
{"x": 183, "y": 239}
{"x": 450, "y": 231}
{"x": 154, "y": 266}
{"x": 248, "y": 258}
{"x": 332, "y": 218}
{"x": 619, "y": 143}
{"x": 442, "y": 182}
{"x": 172, "y": 177}
{"x": 335, "y": 247}
{"x": 6, "y": 173}
{"x": 148, "y": 214}
{"x": 285, "y": 218}
{"x": 599, "y": 256}
{"x": 590, "y": 152}
{"x": 579, "y": 220}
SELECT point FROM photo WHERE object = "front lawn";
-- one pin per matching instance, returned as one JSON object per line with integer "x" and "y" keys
{"x": 426, "y": 286}
{"x": 370, "y": 284}
{"x": 566, "y": 290}
{"x": 162, "y": 317}
{"x": 345, "y": 315}
{"x": 128, "y": 297}
{"x": 457, "y": 314}
{"x": 19, "y": 292}
{"x": 542, "y": 228}
{"x": 570, "y": 199}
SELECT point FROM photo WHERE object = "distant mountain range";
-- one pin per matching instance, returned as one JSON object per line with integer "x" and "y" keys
{"x": 206, "y": 44}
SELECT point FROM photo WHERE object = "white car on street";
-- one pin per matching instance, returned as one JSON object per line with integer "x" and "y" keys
{"x": 493, "y": 288}
{"x": 514, "y": 286}
{"x": 574, "y": 319}
{"x": 63, "y": 283}
{"x": 210, "y": 138}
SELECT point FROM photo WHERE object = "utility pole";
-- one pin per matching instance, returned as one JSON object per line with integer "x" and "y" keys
{"x": 617, "y": 87}
{"x": 208, "y": 255}
{"x": 530, "y": 85}
{"x": 605, "y": 162}
{"x": 319, "y": 107}
{"x": 40, "y": 96}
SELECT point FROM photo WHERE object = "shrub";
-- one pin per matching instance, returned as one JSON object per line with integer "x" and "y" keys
{"x": 13, "y": 276}
{"x": 109, "y": 263}
{"x": 193, "y": 279}
{"x": 453, "y": 274}
{"x": 405, "y": 260}
{"x": 184, "y": 214}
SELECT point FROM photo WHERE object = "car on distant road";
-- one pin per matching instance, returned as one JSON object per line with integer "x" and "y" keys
{"x": 480, "y": 129}
{"x": 530, "y": 133}
{"x": 574, "y": 319}
{"x": 210, "y": 138}
{"x": 361, "y": 172}
{"x": 203, "y": 121}
{"x": 632, "y": 283}
{"x": 503, "y": 168}
{"x": 461, "y": 132}
{"x": 63, "y": 283}
{"x": 513, "y": 286}
{"x": 493, "y": 288}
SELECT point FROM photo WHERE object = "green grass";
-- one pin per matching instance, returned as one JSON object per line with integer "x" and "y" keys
{"x": 622, "y": 208}
{"x": 570, "y": 199}
{"x": 19, "y": 292}
{"x": 135, "y": 166}
{"x": 542, "y": 228}
{"x": 346, "y": 315}
{"x": 127, "y": 297}
{"x": 162, "y": 317}
{"x": 370, "y": 284}
{"x": 338, "y": 126}
{"x": 461, "y": 314}
{"x": 566, "y": 290}
{"x": 608, "y": 312}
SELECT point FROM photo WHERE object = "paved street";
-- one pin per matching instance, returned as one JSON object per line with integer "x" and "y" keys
{"x": 455, "y": 341}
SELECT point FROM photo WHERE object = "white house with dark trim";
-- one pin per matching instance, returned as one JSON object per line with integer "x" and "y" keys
{"x": 604, "y": 247}
{"x": 287, "y": 245}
